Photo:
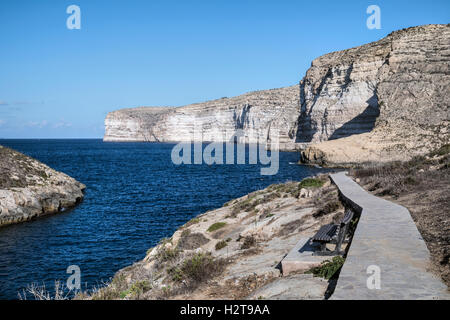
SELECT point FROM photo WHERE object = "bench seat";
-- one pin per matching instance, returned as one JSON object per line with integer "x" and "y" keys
{"x": 334, "y": 234}
{"x": 326, "y": 233}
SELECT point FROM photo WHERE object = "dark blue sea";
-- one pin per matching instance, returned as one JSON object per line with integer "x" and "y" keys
{"x": 135, "y": 197}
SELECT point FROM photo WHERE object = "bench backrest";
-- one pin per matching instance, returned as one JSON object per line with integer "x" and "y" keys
{"x": 347, "y": 217}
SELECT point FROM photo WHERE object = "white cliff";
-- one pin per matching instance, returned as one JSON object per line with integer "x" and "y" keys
{"x": 381, "y": 101}
{"x": 260, "y": 115}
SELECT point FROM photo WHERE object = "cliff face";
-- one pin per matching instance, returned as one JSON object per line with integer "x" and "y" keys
{"x": 393, "y": 94}
{"x": 28, "y": 188}
{"x": 385, "y": 100}
{"x": 258, "y": 114}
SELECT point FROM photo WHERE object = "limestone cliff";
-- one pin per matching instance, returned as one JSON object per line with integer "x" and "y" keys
{"x": 234, "y": 252}
{"x": 258, "y": 114}
{"x": 29, "y": 188}
{"x": 383, "y": 101}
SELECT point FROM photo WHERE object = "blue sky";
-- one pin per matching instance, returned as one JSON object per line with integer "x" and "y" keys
{"x": 60, "y": 83}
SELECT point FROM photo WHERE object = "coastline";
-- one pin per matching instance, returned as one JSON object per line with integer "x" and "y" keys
{"x": 239, "y": 245}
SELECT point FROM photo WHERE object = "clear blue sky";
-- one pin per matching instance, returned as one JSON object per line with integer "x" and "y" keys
{"x": 60, "y": 83}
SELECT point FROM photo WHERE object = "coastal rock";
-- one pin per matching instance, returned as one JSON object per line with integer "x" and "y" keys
{"x": 387, "y": 100}
{"x": 260, "y": 115}
{"x": 296, "y": 287}
{"x": 305, "y": 193}
{"x": 29, "y": 188}
{"x": 233, "y": 252}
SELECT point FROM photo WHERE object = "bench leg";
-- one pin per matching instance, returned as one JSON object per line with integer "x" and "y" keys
{"x": 323, "y": 250}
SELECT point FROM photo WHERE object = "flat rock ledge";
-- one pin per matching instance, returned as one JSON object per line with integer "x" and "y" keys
{"x": 29, "y": 188}
{"x": 386, "y": 239}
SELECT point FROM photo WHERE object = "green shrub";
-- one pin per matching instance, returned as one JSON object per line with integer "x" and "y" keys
{"x": 191, "y": 222}
{"x": 136, "y": 289}
{"x": 123, "y": 294}
{"x": 176, "y": 273}
{"x": 221, "y": 244}
{"x": 216, "y": 226}
{"x": 327, "y": 268}
{"x": 245, "y": 205}
{"x": 445, "y": 149}
{"x": 410, "y": 180}
{"x": 249, "y": 241}
{"x": 310, "y": 183}
{"x": 140, "y": 287}
{"x": 165, "y": 254}
{"x": 197, "y": 268}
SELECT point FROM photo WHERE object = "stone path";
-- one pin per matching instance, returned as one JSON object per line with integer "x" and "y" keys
{"x": 387, "y": 238}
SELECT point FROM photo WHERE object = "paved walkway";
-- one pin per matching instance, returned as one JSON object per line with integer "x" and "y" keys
{"x": 386, "y": 237}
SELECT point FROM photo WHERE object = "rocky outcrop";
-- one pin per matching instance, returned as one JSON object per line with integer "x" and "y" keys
{"x": 383, "y": 101}
{"x": 260, "y": 115}
{"x": 29, "y": 188}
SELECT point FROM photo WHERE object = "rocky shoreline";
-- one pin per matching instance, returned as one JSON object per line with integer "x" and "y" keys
{"x": 234, "y": 252}
{"x": 30, "y": 189}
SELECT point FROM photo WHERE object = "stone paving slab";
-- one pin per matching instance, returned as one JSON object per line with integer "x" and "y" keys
{"x": 301, "y": 258}
{"x": 387, "y": 237}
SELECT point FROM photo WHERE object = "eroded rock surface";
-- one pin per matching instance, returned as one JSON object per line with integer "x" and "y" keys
{"x": 234, "y": 252}
{"x": 29, "y": 188}
{"x": 383, "y": 101}
{"x": 258, "y": 114}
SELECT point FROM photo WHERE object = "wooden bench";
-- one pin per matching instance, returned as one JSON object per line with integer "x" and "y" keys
{"x": 334, "y": 234}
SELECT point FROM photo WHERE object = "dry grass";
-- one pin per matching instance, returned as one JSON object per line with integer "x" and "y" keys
{"x": 249, "y": 242}
{"x": 16, "y": 164}
{"x": 40, "y": 292}
{"x": 221, "y": 244}
{"x": 195, "y": 270}
{"x": 191, "y": 241}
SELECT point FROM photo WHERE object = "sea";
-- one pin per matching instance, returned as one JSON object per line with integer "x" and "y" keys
{"x": 135, "y": 196}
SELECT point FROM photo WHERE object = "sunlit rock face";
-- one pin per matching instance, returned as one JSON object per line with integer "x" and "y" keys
{"x": 393, "y": 93}
{"x": 338, "y": 95}
{"x": 260, "y": 116}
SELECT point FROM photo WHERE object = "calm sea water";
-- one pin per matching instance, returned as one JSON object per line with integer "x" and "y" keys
{"x": 135, "y": 196}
